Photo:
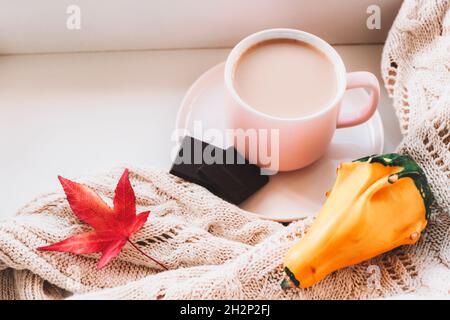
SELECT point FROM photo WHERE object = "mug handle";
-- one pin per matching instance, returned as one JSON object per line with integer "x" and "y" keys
{"x": 361, "y": 79}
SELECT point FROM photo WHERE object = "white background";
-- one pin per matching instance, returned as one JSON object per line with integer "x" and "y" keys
{"x": 30, "y": 26}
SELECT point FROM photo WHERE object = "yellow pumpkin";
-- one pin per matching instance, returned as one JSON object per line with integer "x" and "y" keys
{"x": 376, "y": 204}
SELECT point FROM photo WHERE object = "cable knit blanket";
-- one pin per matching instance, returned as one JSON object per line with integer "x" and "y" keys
{"x": 215, "y": 250}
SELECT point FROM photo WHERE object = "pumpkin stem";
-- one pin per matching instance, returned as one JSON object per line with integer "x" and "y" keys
{"x": 291, "y": 281}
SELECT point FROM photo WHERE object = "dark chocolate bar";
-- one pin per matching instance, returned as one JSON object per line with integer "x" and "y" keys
{"x": 223, "y": 172}
{"x": 186, "y": 164}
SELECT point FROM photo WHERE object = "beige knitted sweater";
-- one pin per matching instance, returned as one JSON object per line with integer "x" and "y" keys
{"x": 216, "y": 250}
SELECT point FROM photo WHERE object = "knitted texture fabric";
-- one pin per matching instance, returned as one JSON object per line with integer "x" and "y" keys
{"x": 215, "y": 250}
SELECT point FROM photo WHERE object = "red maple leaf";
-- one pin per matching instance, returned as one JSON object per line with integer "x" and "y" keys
{"x": 113, "y": 227}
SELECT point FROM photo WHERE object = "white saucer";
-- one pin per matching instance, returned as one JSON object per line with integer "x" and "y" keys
{"x": 289, "y": 195}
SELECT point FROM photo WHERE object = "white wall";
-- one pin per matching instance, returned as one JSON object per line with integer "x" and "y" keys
{"x": 30, "y": 26}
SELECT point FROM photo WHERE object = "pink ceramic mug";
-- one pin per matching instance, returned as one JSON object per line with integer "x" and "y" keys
{"x": 303, "y": 140}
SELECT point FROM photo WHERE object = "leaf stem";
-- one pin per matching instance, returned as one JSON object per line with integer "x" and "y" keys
{"x": 146, "y": 255}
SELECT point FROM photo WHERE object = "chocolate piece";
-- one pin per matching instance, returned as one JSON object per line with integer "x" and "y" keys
{"x": 234, "y": 182}
{"x": 223, "y": 172}
{"x": 187, "y": 163}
